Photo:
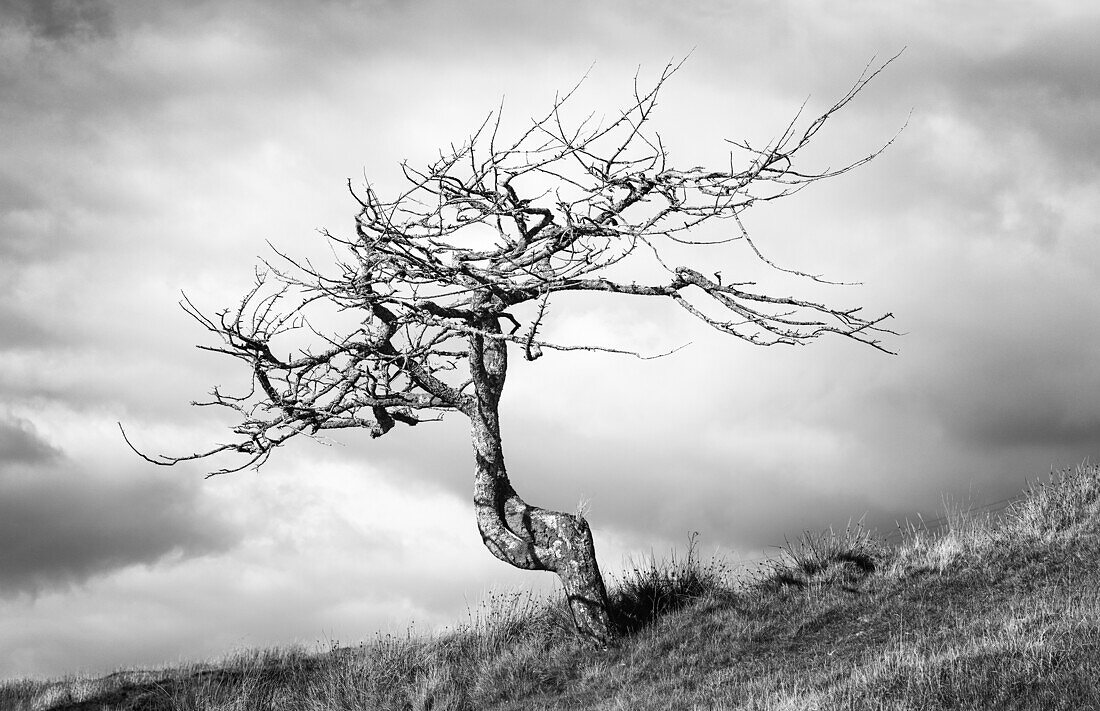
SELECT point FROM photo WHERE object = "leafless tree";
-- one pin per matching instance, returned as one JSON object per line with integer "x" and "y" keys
{"x": 441, "y": 281}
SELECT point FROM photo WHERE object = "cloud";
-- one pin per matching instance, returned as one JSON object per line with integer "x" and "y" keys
{"x": 327, "y": 556}
{"x": 1004, "y": 397}
{"x": 63, "y": 521}
{"x": 20, "y": 444}
{"x": 1042, "y": 86}
{"x": 59, "y": 19}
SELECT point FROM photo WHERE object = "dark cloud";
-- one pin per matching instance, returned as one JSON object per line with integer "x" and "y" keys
{"x": 59, "y": 19}
{"x": 1049, "y": 419}
{"x": 1044, "y": 85}
{"x": 20, "y": 444}
{"x": 1016, "y": 399}
{"x": 62, "y": 522}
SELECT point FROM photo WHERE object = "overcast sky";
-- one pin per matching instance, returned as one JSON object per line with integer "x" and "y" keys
{"x": 153, "y": 147}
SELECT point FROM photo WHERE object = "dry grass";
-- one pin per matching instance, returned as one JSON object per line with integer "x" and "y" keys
{"x": 987, "y": 612}
{"x": 1067, "y": 504}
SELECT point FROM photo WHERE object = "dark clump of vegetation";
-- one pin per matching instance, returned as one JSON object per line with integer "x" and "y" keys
{"x": 827, "y": 557}
{"x": 658, "y": 587}
{"x": 988, "y": 612}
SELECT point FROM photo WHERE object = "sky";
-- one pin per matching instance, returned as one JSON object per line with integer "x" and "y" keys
{"x": 154, "y": 148}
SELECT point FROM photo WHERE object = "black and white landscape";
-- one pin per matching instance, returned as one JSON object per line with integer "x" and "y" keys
{"x": 152, "y": 148}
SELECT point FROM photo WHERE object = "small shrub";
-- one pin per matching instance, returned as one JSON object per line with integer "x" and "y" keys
{"x": 658, "y": 587}
{"x": 829, "y": 556}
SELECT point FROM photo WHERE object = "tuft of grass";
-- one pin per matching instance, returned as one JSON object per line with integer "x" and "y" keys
{"x": 657, "y": 587}
{"x": 845, "y": 557}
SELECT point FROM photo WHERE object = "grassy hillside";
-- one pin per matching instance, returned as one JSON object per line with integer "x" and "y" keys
{"x": 985, "y": 613}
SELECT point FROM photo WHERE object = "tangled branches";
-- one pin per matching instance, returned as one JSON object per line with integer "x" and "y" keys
{"x": 437, "y": 271}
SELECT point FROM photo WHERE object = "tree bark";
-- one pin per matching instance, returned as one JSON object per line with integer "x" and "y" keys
{"x": 517, "y": 533}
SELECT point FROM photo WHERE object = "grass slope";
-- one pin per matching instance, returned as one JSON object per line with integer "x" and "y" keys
{"x": 988, "y": 613}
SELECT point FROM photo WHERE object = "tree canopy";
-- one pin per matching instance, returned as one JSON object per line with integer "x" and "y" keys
{"x": 492, "y": 225}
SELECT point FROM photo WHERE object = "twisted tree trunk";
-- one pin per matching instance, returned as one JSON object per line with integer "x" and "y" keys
{"x": 527, "y": 536}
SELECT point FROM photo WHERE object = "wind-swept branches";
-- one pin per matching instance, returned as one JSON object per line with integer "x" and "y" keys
{"x": 435, "y": 279}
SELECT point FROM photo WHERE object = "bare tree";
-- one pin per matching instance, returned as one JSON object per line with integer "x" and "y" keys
{"x": 440, "y": 282}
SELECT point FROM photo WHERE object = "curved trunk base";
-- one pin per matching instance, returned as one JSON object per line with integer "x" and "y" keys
{"x": 533, "y": 538}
